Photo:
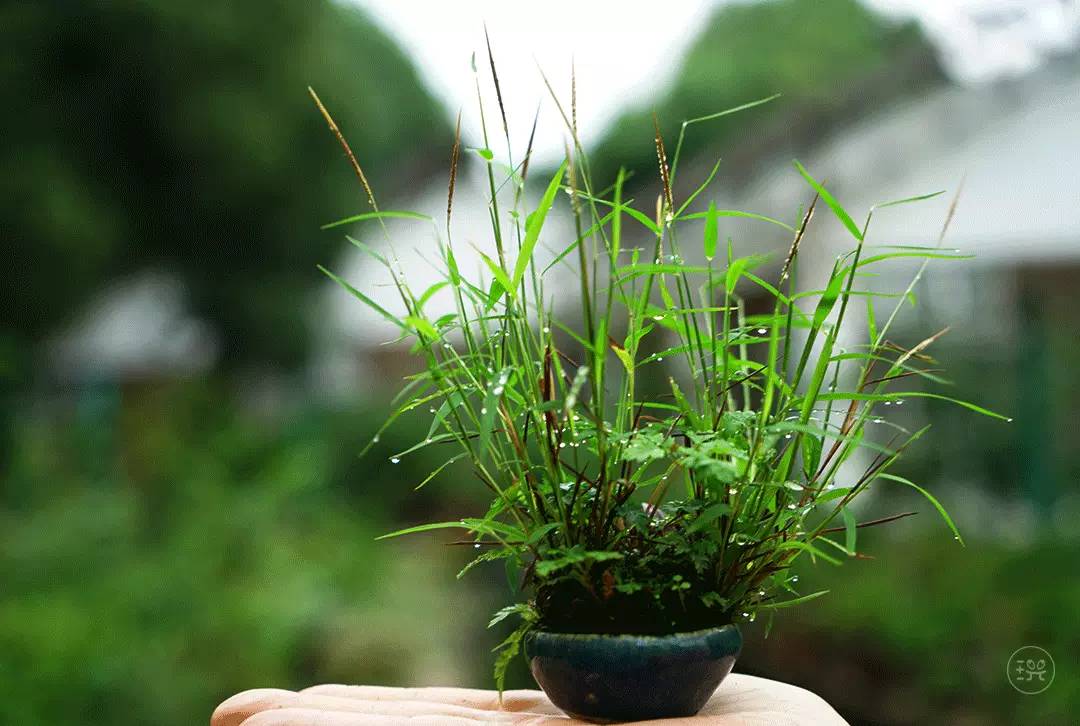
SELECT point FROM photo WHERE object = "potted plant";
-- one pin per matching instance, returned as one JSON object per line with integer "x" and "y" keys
{"x": 657, "y": 457}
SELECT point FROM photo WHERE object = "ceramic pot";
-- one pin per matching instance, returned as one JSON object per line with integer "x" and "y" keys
{"x": 607, "y": 678}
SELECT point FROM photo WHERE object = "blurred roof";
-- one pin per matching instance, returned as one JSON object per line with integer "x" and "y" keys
{"x": 1013, "y": 143}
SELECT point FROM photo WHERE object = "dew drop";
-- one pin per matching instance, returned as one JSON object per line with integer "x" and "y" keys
{"x": 483, "y": 411}
{"x": 762, "y": 331}
{"x": 476, "y": 546}
{"x": 546, "y": 330}
{"x": 395, "y": 460}
{"x": 657, "y": 317}
{"x": 375, "y": 439}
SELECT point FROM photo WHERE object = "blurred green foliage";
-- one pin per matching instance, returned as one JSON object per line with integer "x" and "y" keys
{"x": 828, "y": 59}
{"x": 181, "y": 136}
{"x": 924, "y": 633}
{"x": 153, "y": 564}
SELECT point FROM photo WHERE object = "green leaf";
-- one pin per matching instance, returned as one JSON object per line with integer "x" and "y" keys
{"x": 917, "y": 253}
{"x": 739, "y": 266}
{"x": 794, "y": 601}
{"x": 908, "y": 200}
{"x": 580, "y": 377}
{"x": 729, "y": 111}
{"x": 540, "y": 532}
{"x": 829, "y": 297}
{"x": 930, "y": 498}
{"x": 438, "y": 470}
{"x": 490, "y": 406}
{"x": 850, "y": 530}
{"x": 523, "y": 610}
{"x": 460, "y": 524}
{"x": 810, "y": 549}
{"x": 441, "y": 438}
{"x": 487, "y": 413}
{"x": 684, "y": 405}
{"x": 533, "y": 226}
{"x": 852, "y": 396}
{"x": 624, "y": 357}
{"x": 642, "y": 219}
{"x": 368, "y": 250}
{"x": 389, "y": 214}
{"x": 646, "y": 445}
{"x": 489, "y": 556}
{"x": 708, "y": 516}
{"x": 500, "y": 277}
{"x": 451, "y": 264}
{"x": 736, "y": 213}
{"x": 423, "y": 299}
{"x": 509, "y": 648}
{"x": 573, "y": 556}
{"x": 584, "y": 235}
{"x": 479, "y": 526}
{"x": 834, "y": 205}
{"x": 712, "y": 232}
{"x": 422, "y": 327}
{"x": 871, "y": 320}
{"x": 811, "y": 454}
{"x": 628, "y": 272}
{"x": 364, "y": 298}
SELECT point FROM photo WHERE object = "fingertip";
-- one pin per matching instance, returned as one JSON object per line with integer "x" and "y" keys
{"x": 234, "y": 710}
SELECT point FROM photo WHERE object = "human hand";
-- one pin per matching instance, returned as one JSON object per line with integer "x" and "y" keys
{"x": 739, "y": 701}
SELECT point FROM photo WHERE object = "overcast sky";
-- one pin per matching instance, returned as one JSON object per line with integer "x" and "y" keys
{"x": 627, "y": 50}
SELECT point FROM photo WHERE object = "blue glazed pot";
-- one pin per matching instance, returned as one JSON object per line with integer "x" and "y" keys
{"x": 608, "y": 678}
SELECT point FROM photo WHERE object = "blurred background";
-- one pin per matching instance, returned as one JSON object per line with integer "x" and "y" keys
{"x": 183, "y": 512}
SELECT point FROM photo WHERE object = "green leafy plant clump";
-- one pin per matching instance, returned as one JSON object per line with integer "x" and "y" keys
{"x": 624, "y": 500}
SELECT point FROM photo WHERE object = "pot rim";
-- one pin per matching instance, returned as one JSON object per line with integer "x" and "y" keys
{"x": 636, "y": 636}
{"x": 636, "y": 651}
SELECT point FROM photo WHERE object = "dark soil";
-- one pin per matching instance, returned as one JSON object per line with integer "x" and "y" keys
{"x": 571, "y": 607}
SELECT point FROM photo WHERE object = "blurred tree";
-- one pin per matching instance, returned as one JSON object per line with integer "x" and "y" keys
{"x": 180, "y": 136}
{"x": 830, "y": 59}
